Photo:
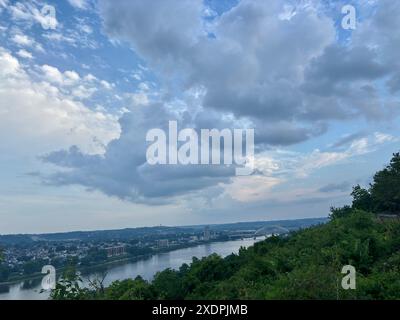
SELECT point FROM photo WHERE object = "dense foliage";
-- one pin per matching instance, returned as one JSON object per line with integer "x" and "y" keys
{"x": 383, "y": 194}
{"x": 302, "y": 265}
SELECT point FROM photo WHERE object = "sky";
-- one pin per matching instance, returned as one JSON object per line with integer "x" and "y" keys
{"x": 83, "y": 81}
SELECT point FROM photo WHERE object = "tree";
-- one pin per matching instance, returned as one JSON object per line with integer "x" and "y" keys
{"x": 129, "y": 289}
{"x": 168, "y": 285}
{"x": 97, "y": 284}
{"x": 340, "y": 212}
{"x": 362, "y": 199}
{"x": 385, "y": 189}
{"x": 69, "y": 287}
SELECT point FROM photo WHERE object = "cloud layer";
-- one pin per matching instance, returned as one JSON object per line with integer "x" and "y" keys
{"x": 281, "y": 67}
{"x": 286, "y": 75}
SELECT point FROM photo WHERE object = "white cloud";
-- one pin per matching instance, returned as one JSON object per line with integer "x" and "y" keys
{"x": 79, "y": 4}
{"x": 137, "y": 76}
{"x": 143, "y": 86}
{"x": 383, "y": 138}
{"x": 24, "y": 54}
{"x": 72, "y": 76}
{"x": 89, "y": 77}
{"x": 72, "y": 83}
{"x": 22, "y": 40}
{"x": 77, "y": 37}
{"x": 53, "y": 75}
{"x": 106, "y": 84}
{"x": 59, "y": 37}
{"x": 86, "y": 28}
{"x": 280, "y": 167}
{"x": 9, "y": 65}
{"x": 31, "y": 12}
{"x": 300, "y": 165}
{"x": 3, "y": 3}
{"x": 83, "y": 92}
{"x": 252, "y": 188}
{"x": 139, "y": 99}
{"x": 36, "y": 117}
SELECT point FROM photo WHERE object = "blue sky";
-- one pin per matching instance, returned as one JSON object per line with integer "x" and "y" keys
{"x": 80, "y": 89}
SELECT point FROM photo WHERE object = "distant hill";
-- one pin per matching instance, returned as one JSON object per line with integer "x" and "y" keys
{"x": 92, "y": 235}
{"x": 287, "y": 224}
{"x": 159, "y": 230}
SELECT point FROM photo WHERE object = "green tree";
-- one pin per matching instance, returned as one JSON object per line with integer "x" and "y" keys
{"x": 69, "y": 287}
{"x": 168, "y": 284}
{"x": 362, "y": 199}
{"x": 340, "y": 212}
{"x": 129, "y": 289}
{"x": 385, "y": 189}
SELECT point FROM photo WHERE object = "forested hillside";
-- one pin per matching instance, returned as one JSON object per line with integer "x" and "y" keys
{"x": 302, "y": 265}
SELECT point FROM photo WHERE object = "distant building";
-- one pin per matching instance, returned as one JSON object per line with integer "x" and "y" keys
{"x": 163, "y": 243}
{"x": 115, "y": 251}
{"x": 207, "y": 233}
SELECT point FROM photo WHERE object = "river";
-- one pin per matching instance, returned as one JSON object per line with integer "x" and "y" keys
{"x": 30, "y": 289}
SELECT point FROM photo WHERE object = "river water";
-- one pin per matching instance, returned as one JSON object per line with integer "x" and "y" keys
{"x": 30, "y": 290}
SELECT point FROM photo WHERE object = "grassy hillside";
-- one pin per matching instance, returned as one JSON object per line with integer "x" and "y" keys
{"x": 302, "y": 265}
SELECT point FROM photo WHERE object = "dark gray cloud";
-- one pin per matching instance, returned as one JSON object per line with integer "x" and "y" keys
{"x": 258, "y": 65}
{"x": 72, "y": 158}
{"x": 287, "y": 78}
{"x": 343, "y": 80}
{"x": 123, "y": 170}
{"x": 344, "y": 186}
{"x": 285, "y": 133}
{"x": 162, "y": 32}
{"x": 253, "y": 65}
{"x": 339, "y": 65}
{"x": 347, "y": 139}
